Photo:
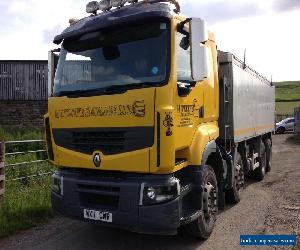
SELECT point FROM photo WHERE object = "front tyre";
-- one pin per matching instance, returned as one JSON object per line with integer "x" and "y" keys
{"x": 203, "y": 226}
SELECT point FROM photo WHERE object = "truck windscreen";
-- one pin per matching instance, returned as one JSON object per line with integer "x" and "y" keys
{"x": 131, "y": 57}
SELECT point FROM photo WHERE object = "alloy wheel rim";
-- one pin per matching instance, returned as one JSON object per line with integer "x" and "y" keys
{"x": 239, "y": 177}
{"x": 209, "y": 201}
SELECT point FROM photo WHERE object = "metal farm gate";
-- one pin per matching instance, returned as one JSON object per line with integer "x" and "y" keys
{"x": 23, "y": 80}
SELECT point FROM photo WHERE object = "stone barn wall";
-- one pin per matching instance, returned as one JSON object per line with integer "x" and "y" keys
{"x": 22, "y": 114}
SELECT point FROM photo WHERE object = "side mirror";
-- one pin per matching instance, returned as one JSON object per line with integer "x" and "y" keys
{"x": 185, "y": 43}
{"x": 199, "y": 53}
{"x": 52, "y": 65}
{"x": 184, "y": 90}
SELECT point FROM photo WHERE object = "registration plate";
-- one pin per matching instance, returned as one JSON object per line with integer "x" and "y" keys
{"x": 97, "y": 215}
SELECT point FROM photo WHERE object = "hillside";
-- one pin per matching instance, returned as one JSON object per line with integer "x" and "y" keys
{"x": 287, "y": 96}
{"x": 288, "y": 91}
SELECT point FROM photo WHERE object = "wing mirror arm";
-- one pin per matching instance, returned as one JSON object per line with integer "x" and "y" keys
{"x": 53, "y": 56}
{"x": 184, "y": 89}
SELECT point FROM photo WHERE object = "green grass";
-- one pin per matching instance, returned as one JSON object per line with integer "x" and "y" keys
{"x": 25, "y": 205}
{"x": 286, "y": 107}
{"x": 12, "y": 134}
{"x": 287, "y": 97}
{"x": 287, "y": 91}
{"x": 26, "y": 202}
{"x": 283, "y": 83}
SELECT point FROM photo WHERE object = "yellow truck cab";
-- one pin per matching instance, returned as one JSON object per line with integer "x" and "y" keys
{"x": 144, "y": 123}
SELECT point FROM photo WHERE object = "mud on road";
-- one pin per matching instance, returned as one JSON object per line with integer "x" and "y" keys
{"x": 271, "y": 206}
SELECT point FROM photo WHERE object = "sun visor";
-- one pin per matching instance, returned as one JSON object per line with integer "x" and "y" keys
{"x": 117, "y": 17}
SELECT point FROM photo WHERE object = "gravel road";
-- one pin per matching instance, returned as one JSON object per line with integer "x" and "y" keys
{"x": 268, "y": 207}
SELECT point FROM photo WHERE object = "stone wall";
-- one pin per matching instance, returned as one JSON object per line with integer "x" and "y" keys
{"x": 22, "y": 113}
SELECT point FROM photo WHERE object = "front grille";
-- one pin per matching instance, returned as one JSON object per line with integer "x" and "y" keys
{"x": 107, "y": 140}
{"x": 99, "y": 188}
{"x": 97, "y": 196}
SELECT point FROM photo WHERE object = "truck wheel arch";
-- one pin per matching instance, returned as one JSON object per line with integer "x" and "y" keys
{"x": 210, "y": 148}
{"x": 212, "y": 156}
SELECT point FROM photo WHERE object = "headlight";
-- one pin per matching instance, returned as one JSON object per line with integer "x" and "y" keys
{"x": 105, "y": 5}
{"x": 58, "y": 183}
{"x": 159, "y": 193}
{"x": 118, "y": 3}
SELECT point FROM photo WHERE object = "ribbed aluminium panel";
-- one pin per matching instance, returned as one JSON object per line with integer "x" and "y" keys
{"x": 249, "y": 108}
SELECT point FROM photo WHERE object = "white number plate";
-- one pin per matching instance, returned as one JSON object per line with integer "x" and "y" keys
{"x": 97, "y": 215}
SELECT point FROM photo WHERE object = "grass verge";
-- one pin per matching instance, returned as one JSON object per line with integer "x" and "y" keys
{"x": 25, "y": 205}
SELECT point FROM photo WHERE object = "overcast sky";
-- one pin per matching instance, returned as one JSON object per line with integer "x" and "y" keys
{"x": 267, "y": 28}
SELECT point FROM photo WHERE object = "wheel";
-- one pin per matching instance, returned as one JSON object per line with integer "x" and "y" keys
{"x": 260, "y": 172}
{"x": 203, "y": 226}
{"x": 234, "y": 195}
{"x": 268, "y": 147}
{"x": 281, "y": 130}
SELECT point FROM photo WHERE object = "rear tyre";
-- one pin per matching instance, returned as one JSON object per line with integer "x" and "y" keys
{"x": 234, "y": 195}
{"x": 203, "y": 226}
{"x": 268, "y": 147}
{"x": 260, "y": 172}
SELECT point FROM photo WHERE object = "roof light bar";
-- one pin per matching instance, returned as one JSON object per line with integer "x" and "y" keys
{"x": 174, "y": 2}
{"x": 92, "y": 7}
{"x": 105, "y": 5}
{"x": 118, "y": 3}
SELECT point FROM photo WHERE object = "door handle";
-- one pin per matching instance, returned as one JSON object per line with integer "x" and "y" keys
{"x": 201, "y": 112}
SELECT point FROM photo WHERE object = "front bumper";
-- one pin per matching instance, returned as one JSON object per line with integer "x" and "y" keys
{"x": 119, "y": 195}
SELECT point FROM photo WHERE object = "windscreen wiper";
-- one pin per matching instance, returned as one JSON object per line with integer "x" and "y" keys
{"x": 91, "y": 92}
{"x": 126, "y": 87}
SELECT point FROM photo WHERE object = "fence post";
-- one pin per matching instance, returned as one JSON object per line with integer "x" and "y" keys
{"x": 2, "y": 173}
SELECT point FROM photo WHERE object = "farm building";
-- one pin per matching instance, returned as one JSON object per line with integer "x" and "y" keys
{"x": 23, "y": 93}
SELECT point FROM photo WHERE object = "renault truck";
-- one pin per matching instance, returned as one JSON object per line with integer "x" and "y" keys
{"x": 150, "y": 127}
